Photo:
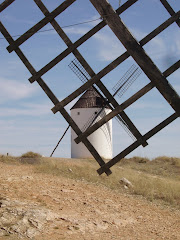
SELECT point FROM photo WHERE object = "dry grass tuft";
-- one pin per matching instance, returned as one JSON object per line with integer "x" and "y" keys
{"x": 168, "y": 167}
{"x": 8, "y": 159}
{"x": 31, "y": 155}
{"x": 30, "y": 158}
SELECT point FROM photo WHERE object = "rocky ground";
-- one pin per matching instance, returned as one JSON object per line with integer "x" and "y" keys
{"x": 42, "y": 207}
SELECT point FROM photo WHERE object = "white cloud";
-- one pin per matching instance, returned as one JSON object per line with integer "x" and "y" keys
{"x": 13, "y": 19}
{"x": 15, "y": 90}
{"x": 77, "y": 30}
{"x": 147, "y": 105}
{"x": 109, "y": 46}
{"x": 27, "y": 109}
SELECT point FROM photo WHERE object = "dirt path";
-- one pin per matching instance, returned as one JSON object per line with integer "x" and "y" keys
{"x": 43, "y": 207}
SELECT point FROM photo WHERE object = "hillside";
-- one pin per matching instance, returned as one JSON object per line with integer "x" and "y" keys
{"x": 66, "y": 199}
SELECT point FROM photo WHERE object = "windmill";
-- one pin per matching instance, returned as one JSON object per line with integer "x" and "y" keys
{"x": 119, "y": 89}
{"x": 134, "y": 48}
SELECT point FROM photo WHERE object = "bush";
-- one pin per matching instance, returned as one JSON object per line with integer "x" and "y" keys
{"x": 31, "y": 155}
{"x": 30, "y": 158}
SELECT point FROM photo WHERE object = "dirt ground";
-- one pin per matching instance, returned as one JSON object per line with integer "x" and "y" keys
{"x": 43, "y": 207}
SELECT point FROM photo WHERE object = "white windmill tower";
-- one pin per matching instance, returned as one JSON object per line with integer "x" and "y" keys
{"x": 83, "y": 112}
{"x": 91, "y": 107}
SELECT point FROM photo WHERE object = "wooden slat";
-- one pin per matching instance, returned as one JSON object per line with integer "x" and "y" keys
{"x": 39, "y": 25}
{"x": 136, "y": 144}
{"x": 172, "y": 69}
{"x": 138, "y": 53}
{"x": 160, "y": 28}
{"x": 170, "y": 10}
{"x": 125, "y": 6}
{"x": 5, "y": 4}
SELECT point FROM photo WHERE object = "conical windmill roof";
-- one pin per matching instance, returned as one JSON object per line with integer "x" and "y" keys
{"x": 90, "y": 99}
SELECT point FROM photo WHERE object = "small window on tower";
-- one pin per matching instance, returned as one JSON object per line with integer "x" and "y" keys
{"x": 95, "y": 113}
{"x": 78, "y": 113}
{"x": 98, "y": 101}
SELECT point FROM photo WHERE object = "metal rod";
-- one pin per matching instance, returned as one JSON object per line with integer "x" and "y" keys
{"x": 60, "y": 140}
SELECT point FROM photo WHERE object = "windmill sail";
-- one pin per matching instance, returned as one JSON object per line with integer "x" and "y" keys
{"x": 126, "y": 81}
{"x": 79, "y": 70}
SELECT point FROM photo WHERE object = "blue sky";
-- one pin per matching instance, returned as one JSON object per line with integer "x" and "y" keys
{"x": 26, "y": 120}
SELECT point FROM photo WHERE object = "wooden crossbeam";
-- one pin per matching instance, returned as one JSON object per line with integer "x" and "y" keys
{"x": 5, "y": 4}
{"x": 136, "y": 144}
{"x": 170, "y": 10}
{"x": 88, "y": 68}
{"x": 138, "y": 53}
{"x": 39, "y": 25}
{"x": 115, "y": 63}
{"x": 160, "y": 28}
{"x": 172, "y": 69}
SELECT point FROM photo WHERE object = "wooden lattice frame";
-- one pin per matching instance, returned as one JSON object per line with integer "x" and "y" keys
{"x": 134, "y": 49}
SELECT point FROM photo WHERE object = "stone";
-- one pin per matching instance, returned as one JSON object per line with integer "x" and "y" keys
{"x": 23, "y": 218}
{"x": 126, "y": 182}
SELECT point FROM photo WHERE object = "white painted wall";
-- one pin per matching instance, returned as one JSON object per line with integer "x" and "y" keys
{"x": 101, "y": 139}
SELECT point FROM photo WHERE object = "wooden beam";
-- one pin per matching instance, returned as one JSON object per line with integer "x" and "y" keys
{"x": 172, "y": 69}
{"x": 39, "y": 25}
{"x": 136, "y": 144}
{"x": 160, "y": 28}
{"x": 5, "y": 4}
{"x": 170, "y": 10}
{"x": 138, "y": 53}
